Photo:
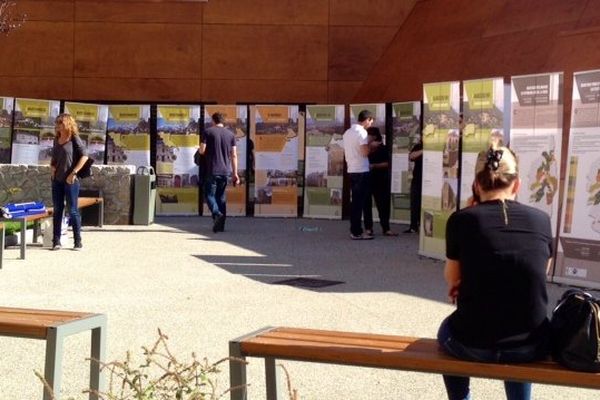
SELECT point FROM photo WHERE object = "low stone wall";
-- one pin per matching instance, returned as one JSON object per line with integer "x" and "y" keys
{"x": 20, "y": 183}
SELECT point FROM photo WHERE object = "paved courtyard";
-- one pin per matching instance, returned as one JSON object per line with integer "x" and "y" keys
{"x": 203, "y": 289}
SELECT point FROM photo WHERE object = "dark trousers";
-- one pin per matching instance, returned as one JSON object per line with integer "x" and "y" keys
{"x": 457, "y": 387}
{"x": 214, "y": 192}
{"x": 62, "y": 191}
{"x": 415, "y": 203}
{"x": 359, "y": 184}
{"x": 380, "y": 191}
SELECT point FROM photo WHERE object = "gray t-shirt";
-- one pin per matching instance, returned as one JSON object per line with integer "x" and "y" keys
{"x": 63, "y": 157}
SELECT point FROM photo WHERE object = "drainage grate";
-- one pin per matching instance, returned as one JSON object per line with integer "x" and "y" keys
{"x": 308, "y": 282}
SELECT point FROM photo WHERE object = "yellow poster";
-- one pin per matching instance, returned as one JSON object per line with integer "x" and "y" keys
{"x": 275, "y": 131}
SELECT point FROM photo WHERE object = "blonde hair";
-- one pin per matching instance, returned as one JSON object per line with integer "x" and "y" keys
{"x": 69, "y": 123}
{"x": 496, "y": 168}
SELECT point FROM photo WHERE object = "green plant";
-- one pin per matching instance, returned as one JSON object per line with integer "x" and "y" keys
{"x": 160, "y": 377}
{"x": 10, "y": 228}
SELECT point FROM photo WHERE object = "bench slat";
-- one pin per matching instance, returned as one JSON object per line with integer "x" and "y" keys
{"x": 413, "y": 354}
{"x": 34, "y": 323}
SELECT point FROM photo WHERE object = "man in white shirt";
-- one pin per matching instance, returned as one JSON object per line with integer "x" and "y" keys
{"x": 356, "y": 151}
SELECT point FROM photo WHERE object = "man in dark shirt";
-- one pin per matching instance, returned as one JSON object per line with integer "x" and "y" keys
{"x": 416, "y": 156}
{"x": 218, "y": 147}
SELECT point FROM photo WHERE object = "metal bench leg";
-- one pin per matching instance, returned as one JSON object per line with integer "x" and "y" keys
{"x": 23, "y": 235}
{"x": 54, "y": 352}
{"x": 2, "y": 237}
{"x": 237, "y": 373}
{"x": 274, "y": 381}
{"x": 101, "y": 212}
{"x": 97, "y": 382}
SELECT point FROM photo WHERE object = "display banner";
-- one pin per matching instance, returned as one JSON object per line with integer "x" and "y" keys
{"x": 441, "y": 102}
{"x": 33, "y": 135}
{"x": 176, "y": 174}
{"x": 406, "y": 130}
{"x": 128, "y": 141}
{"x": 91, "y": 121}
{"x": 536, "y": 138}
{"x": 236, "y": 120}
{"x": 275, "y": 131}
{"x": 6, "y": 114}
{"x": 377, "y": 109}
{"x": 483, "y": 123}
{"x": 578, "y": 252}
{"x": 324, "y": 166}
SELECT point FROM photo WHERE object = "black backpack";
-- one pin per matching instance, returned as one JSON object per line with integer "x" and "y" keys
{"x": 576, "y": 331}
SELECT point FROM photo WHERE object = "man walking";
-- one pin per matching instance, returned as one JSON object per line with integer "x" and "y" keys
{"x": 218, "y": 147}
{"x": 356, "y": 151}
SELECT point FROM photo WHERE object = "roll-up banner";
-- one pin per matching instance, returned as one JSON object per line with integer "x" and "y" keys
{"x": 128, "y": 141}
{"x": 578, "y": 258}
{"x": 536, "y": 139}
{"x": 324, "y": 165}
{"x": 6, "y": 114}
{"x": 91, "y": 121}
{"x": 483, "y": 124}
{"x": 441, "y": 113}
{"x": 177, "y": 140}
{"x": 275, "y": 131}
{"x": 33, "y": 135}
{"x": 236, "y": 120}
{"x": 406, "y": 125}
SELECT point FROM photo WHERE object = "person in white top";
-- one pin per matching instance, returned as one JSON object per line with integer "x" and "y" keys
{"x": 356, "y": 151}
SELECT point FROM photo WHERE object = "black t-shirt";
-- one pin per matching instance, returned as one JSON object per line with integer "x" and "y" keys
{"x": 502, "y": 299}
{"x": 417, "y": 171}
{"x": 379, "y": 155}
{"x": 219, "y": 143}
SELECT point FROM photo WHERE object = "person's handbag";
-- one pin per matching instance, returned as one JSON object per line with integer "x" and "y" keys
{"x": 576, "y": 331}
{"x": 86, "y": 170}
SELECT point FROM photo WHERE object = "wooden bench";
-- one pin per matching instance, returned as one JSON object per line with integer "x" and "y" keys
{"x": 378, "y": 351}
{"x": 53, "y": 327}
{"x": 82, "y": 202}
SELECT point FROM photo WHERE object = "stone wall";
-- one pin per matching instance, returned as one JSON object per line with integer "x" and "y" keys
{"x": 20, "y": 183}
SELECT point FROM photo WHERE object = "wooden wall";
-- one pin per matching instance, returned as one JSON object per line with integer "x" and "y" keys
{"x": 223, "y": 50}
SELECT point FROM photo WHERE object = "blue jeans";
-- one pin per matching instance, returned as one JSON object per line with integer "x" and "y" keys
{"x": 62, "y": 191}
{"x": 359, "y": 183}
{"x": 457, "y": 387}
{"x": 214, "y": 192}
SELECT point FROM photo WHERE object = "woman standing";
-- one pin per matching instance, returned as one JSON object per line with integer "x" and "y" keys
{"x": 379, "y": 170}
{"x": 68, "y": 156}
{"x": 497, "y": 254}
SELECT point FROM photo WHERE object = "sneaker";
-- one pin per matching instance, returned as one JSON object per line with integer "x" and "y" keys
{"x": 78, "y": 247}
{"x": 361, "y": 237}
{"x": 410, "y": 230}
{"x": 219, "y": 224}
{"x": 56, "y": 247}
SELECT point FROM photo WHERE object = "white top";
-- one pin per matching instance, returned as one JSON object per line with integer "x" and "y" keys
{"x": 353, "y": 139}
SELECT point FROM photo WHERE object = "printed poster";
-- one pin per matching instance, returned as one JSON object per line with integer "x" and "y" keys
{"x": 275, "y": 131}
{"x": 441, "y": 115}
{"x": 483, "y": 124}
{"x": 33, "y": 135}
{"x": 236, "y": 120}
{"x": 176, "y": 174}
{"x": 91, "y": 121}
{"x": 406, "y": 130}
{"x": 536, "y": 139}
{"x": 324, "y": 164}
{"x": 6, "y": 115}
{"x": 128, "y": 139}
{"x": 578, "y": 252}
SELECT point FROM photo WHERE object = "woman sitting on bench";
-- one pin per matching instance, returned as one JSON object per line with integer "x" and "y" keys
{"x": 497, "y": 254}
